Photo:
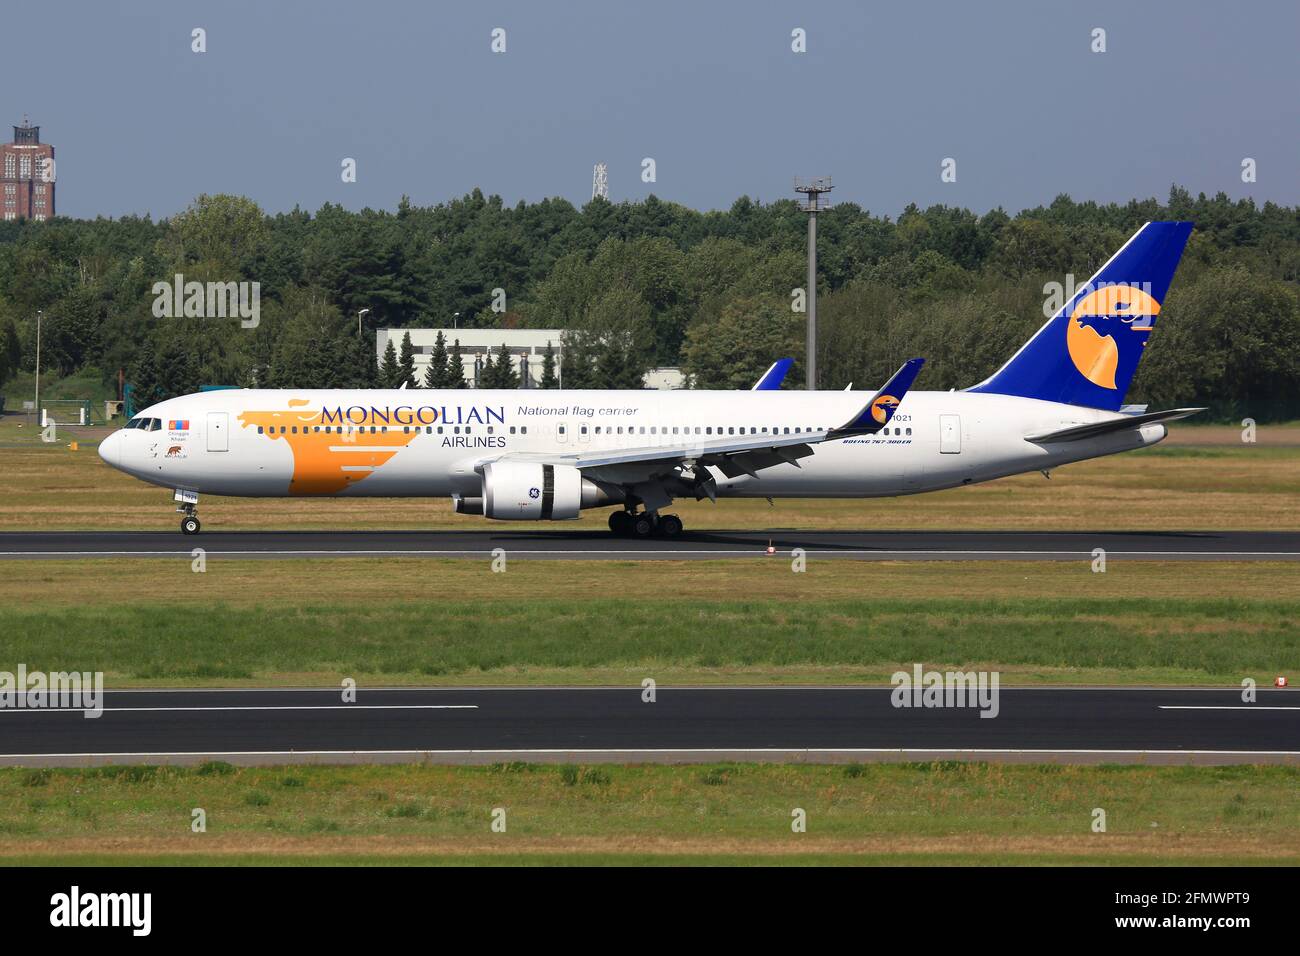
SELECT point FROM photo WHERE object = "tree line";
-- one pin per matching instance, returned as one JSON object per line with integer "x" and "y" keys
{"x": 639, "y": 285}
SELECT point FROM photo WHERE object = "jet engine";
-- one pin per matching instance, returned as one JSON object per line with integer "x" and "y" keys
{"x": 528, "y": 491}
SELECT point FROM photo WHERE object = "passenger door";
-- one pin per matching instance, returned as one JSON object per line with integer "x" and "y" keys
{"x": 950, "y": 434}
{"x": 218, "y": 431}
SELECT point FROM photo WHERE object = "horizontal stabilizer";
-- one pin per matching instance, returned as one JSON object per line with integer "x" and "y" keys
{"x": 1080, "y": 432}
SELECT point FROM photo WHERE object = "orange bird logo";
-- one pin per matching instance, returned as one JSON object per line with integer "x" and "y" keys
{"x": 1105, "y": 322}
{"x": 882, "y": 408}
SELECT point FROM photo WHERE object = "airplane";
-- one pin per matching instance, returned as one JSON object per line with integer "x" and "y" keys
{"x": 529, "y": 455}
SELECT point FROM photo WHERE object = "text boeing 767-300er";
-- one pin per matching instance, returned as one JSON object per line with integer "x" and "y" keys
{"x": 546, "y": 455}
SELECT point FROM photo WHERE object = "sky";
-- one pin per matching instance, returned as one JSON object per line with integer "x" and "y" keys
{"x": 711, "y": 91}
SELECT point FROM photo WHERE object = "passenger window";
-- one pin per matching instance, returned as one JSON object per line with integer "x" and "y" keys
{"x": 582, "y": 429}
{"x": 259, "y": 430}
{"x": 909, "y": 431}
{"x": 523, "y": 429}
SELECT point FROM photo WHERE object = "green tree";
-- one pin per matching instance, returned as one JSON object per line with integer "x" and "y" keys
{"x": 734, "y": 351}
{"x": 504, "y": 373}
{"x": 435, "y": 376}
{"x": 227, "y": 232}
{"x": 313, "y": 348}
{"x": 548, "y": 379}
{"x": 1226, "y": 340}
{"x": 143, "y": 376}
{"x": 578, "y": 360}
{"x": 487, "y": 372}
{"x": 406, "y": 363}
{"x": 455, "y": 367}
{"x": 390, "y": 372}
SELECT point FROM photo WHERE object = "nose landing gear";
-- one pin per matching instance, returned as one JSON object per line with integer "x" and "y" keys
{"x": 189, "y": 507}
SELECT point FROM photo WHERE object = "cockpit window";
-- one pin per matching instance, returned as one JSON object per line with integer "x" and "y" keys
{"x": 134, "y": 423}
{"x": 155, "y": 424}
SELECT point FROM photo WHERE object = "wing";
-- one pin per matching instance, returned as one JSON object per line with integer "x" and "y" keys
{"x": 733, "y": 455}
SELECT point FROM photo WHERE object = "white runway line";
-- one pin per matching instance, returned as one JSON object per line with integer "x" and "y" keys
{"x": 1224, "y": 707}
{"x": 119, "y": 710}
{"x": 663, "y": 750}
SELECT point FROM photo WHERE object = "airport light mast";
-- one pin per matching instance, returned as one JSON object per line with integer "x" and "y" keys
{"x": 813, "y": 189}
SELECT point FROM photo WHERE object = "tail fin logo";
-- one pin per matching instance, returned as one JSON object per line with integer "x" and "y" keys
{"x": 1108, "y": 323}
{"x": 882, "y": 409}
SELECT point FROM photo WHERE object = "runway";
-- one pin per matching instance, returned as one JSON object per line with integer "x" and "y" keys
{"x": 1086, "y": 725}
{"x": 600, "y": 545}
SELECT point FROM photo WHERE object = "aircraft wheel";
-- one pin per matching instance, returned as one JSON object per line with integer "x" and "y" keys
{"x": 189, "y": 525}
{"x": 643, "y": 526}
{"x": 670, "y": 526}
{"x": 620, "y": 522}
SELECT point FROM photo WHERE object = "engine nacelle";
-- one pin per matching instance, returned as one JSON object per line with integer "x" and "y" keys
{"x": 524, "y": 491}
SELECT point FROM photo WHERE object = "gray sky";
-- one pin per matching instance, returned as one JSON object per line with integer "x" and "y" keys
{"x": 710, "y": 90}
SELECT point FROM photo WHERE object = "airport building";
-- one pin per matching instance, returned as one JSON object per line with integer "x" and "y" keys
{"x": 526, "y": 347}
{"x": 27, "y": 175}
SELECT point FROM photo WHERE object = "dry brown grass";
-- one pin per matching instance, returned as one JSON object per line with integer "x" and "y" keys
{"x": 242, "y": 583}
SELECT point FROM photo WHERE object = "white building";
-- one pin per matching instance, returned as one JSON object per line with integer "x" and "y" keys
{"x": 526, "y": 347}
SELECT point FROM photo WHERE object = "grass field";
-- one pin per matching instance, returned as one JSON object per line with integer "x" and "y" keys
{"x": 725, "y": 813}
{"x": 1203, "y": 477}
{"x": 407, "y": 620}
{"x": 447, "y": 622}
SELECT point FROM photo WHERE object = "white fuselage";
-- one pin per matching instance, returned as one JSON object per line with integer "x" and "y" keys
{"x": 428, "y": 443}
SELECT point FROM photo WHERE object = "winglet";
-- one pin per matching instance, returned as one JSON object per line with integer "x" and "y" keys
{"x": 877, "y": 412}
{"x": 771, "y": 380}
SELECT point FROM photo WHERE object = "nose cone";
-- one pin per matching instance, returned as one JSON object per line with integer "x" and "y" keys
{"x": 110, "y": 449}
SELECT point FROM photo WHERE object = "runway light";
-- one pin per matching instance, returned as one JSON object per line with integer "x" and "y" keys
{"x": 770, "y": 548}
{"x": 1279, "y": 682}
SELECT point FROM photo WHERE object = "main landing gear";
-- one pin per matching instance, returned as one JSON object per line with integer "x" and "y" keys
{"x": 627, "y": 524}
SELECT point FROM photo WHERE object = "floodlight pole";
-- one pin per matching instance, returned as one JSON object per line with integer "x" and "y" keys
{"x": 39, "y": 420}
{"x": 813, "y": 189}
